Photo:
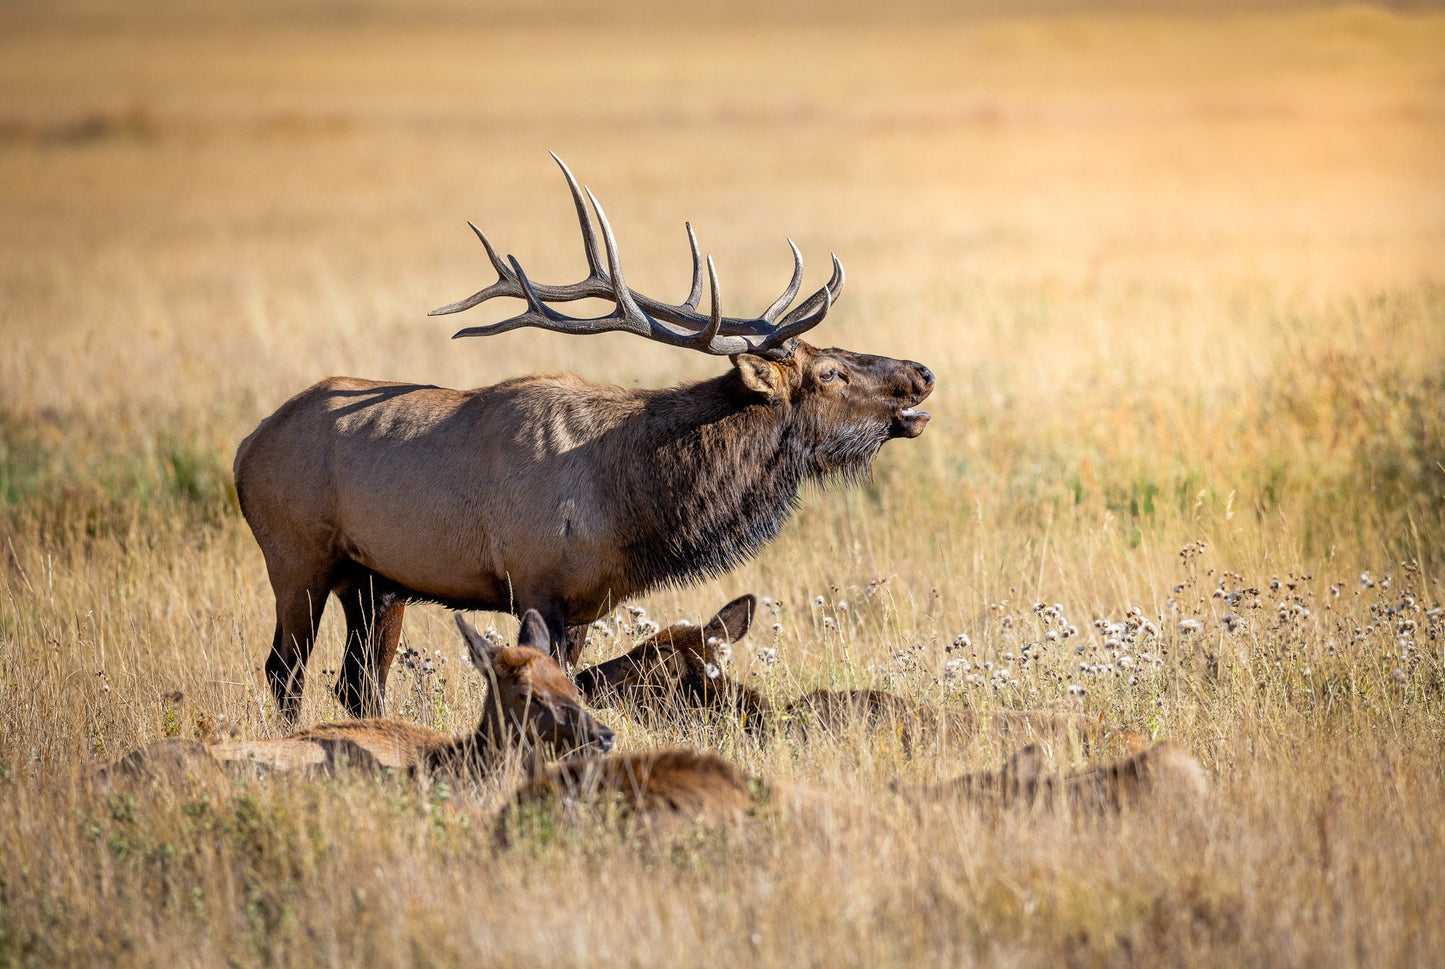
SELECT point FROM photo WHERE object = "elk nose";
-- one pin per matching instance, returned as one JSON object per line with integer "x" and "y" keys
{"x": 924, "y": 373}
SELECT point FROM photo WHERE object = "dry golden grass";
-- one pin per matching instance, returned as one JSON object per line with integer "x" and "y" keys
{"x": 1182, "y": 279}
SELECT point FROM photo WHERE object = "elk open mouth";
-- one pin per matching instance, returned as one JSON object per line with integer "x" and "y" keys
{"x": 908, "y": 421}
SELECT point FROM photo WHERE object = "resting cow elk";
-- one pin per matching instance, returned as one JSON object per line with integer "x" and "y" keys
{"x": 1163, "y": 773}
{"x": 530, "y": 701}
{"x": 679, "y": 669}
{"x": 546, "y": 491}
{"x": 702, "y": 787}
{"x": 692, "y": 785}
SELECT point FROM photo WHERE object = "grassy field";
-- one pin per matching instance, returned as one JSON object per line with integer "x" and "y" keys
{"x": 1181, "y": 278}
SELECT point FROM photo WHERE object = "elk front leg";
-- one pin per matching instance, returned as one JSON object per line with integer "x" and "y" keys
{"x": 576, "y": 642}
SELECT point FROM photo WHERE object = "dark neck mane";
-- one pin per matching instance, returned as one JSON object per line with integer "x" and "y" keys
{"x": 709, "y": 477}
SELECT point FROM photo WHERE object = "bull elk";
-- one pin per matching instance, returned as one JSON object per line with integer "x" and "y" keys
{"x": 678, "y": 668}
{"x": 546, "y": 491}
{"x": 531, "y": 701}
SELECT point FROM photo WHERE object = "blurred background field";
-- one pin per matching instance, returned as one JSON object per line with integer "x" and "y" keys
{"x": 1181, "y": 276}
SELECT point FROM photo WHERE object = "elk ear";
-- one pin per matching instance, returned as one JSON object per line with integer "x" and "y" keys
{"x": 480, "y": 650}
{"x": 760, "y": 375}
{"x": 533, "y": 634}
{"x": 732, "y": 620}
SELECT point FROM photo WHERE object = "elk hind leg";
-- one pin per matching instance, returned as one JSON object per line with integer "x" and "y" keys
{"x": 299, "y": 606}
{"x": 374, "y": 611}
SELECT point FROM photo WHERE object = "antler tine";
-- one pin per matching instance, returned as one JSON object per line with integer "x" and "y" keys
{"x": 705, "y": 337}
{"x": 803, "y": 316}
{"x": 694, "y": 294}
{"x": 781, "y": 303}
{"x": 504, "y": 285}
{"x": 589, "y": 239}
{"x": 620, "y": 292}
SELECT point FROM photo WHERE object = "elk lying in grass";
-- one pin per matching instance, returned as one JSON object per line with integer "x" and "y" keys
{"x": 679, "y": 669}
{"x": 531, "y": 701}
{"x": 677, "y": 783}
{"x": 541, "y": 492}
{"x": 1163, "y": 773}
{"x": 702, "y": 787}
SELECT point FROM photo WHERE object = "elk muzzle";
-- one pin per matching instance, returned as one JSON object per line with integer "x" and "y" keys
{"x": 571, "y": 728}
{"x": 918, "y": 384}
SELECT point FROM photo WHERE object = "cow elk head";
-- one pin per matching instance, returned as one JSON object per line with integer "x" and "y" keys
{"x": 531, "y": 697}
{"x": 680, "y": 667}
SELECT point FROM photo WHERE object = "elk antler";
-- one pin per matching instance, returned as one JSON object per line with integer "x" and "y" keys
{"x": 678, "y": 325}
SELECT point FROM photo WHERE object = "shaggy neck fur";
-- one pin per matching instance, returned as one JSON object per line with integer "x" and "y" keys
{"x": 711, "y": 474}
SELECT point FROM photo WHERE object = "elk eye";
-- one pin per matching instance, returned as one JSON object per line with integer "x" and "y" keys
{"x": 830, "y": 374}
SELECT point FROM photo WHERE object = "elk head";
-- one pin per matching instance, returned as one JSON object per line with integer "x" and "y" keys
{"x": 680, "y": 665}
{"x": 531, "y": 697}
{"x": 844, "y": 405}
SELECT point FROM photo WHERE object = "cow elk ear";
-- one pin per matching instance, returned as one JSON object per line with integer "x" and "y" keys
{"x": 761, "y": 375}
{"x": 481, "y": 651}
{"x": 732, "y": 620}
{"x": 533, "y": 634}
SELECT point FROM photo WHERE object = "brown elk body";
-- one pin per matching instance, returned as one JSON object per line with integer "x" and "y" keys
{"x": 692, "y": 785}
{"x": 1163, "y": 773}
{"x": 546, "y": 491}
{"x": 531, "y": 701}
{"x": 678, "y": 669}
{"x": 697, "y": 786}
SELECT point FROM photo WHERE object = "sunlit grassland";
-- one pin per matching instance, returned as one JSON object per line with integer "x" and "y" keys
{"x": 1182, "y": 280}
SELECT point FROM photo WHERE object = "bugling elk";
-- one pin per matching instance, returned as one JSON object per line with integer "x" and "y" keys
{"x": 679, "y": 669}
{"x": 549, "y": 492}
{"x": 530, "y": 702}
